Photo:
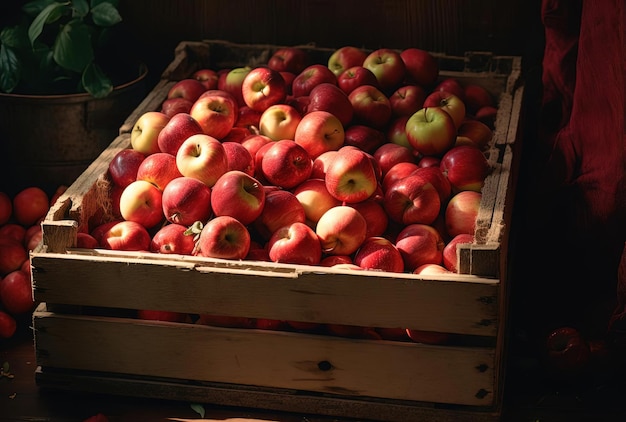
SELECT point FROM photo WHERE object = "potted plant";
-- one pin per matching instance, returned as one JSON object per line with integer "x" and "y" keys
{"x": 67, "y": 82}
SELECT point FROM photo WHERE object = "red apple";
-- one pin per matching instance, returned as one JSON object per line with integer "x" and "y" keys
{"x": 180, "y": 127}
{"x": 379, "y": 253}
{"x": 224, "y": 237}
{"x": 487, "y": 115}
{"x": 263, "y": 87}
{"x": 145, "y": 132}
{"x": 86, "y": 240}
{"x": 186, "y": 200}
{"x": 450, "y": 256}
{"x": 310, "y": 77}
{"x": 122, "y": 236}
{"x": 420, "y": 244}
{"x": 300, "y": 103}
{"x": 413, "y": 199}
{"x": 429, "y": 161}
{"x": 215, "y": 112}
{"x": 159, "y": 169}
{"x": 153, "y": 315}
{"x": 286, "y": 163}
{"x": 296, "y": 243}
{"x": 567, "y": 351}
{"x": 141, "y": 202}
{"x": 431, "y": 131}
{"x": 476, "y": 97}
{"x": 257, "y": 252}
{"x": 332, "y": 260}
{"x": 172, "y": 106}
{"x": 398, "y": 171}
{"x": 33, "y": 237}
{"x": 375, "y": 216}
{"x": 452, "y": 104}
{"x": 12, "y": 255}
{"x": 451, "y": 85}
{"x": 356, "y": 76}
{"x": 407, "y": 100}
{"x": 388, "y": 67}
{"x": 465, "y": 167}
{"x": 172, "y": 239}
{"x": 188, "y": 88}
{"x": 226, "y": 321}
{"x": 315, "y": 199}
{"x": 365, "y": 138}
{"x": 431, "y": 269}
{"x": 6, "y": 208}
{"x": 319, "y": 131}
{"x": 248, "y": 118}
{"x": 237, "y": 194}
{"x": 232, "y": 82}
{"x": 320, "y": 164}
{"x": 237, "y": 134}
{"x": 345, "y": 58}
{"x": 16, "y": 293}
{"x": 8, "y": 325}
{"x": 281, "y": 208}
{"x": 396, "y": 133}
{"x": 253, "y": 143}
{"x": 124, "y": 165}
{"x": 238, "y": 157}
{"x": 428, "y": 337}
{"x": 279, "y": 121}
{"x": 329, "y": 97}
{"x": 13, "y": 231}
{"x": 207, "y": 77}
{"x": 474, "y": 132}
{"x": 389, "y": 154}
{"x": 341, "y": 230}
{"x": 371, "y": 107}
{"x": 421, "y": 67}
{"x": 202, "y": 157}
{"x": 351, "y": 175}
{"x": 30, "y": 205}
{"x": 439, "y": 180}
{"x": 461, "y": 213}
{"x": 288, "y": 59}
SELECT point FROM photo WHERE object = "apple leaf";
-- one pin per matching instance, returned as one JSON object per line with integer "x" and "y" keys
{"x": 96, "y": 82}
{"x": 33, "y": 8}
{"x": 105, "y": 14}
{"x": 9, "y": 69}
{"x": 72, "y": 46}
{"x": 81, "y": 8}
{"x": 49, "y": 14}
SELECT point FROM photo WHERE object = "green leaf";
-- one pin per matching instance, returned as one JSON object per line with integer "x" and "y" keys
{"x": 9, "y": 69}
{"x": 105, "y": 14}
{"x": 94, "y": 3}
{"x": 72, "y": 47}
{"x": 81, "y": 8}
{"x": 50, "y": 14}
{"x": 33, "y": 8}
{"x": 13, "y": 37}
{"x": 96, "y": 82}
{"x": 199, "y": 409}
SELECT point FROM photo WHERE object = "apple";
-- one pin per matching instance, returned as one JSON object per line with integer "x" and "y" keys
{"x": 153, "y": 315}
{"x": 288, "y": 77}
{"x": 341, "y": 230}
{"x": 248, "y": 118}
{"x": 145, "y": 132}
{"x": 439, "y": 180}
{"x": 124, "y": 165}
{"x": 413, "y": 199}
{"x": 141, "y": 202}
{"x": 173, "y": 239}
{"x": 254, "y": 142}
{"x": 187, "y": 88}
{"x": 474, "y": 132}
{"x": 431, "y": 269}
{"x": 421, "y": 67}
{"x": 320, "y": 164}
{"x": 226, "y": 321}
{"x": 180, "y": 127}
{"x": 286, "y": 163}
{"x": 332, "y": 260}
{"x": 452, "y": 104}
{"x": 12, "y": 255}
{"x": 224, "y": 237}
{"x": 465, "y": 167}
{"x": 375, "y": 216}
{"x": 487, "y": 115}
{"x": 451, "y": 85}
{"x": 396, "y": 133}
{"x": 407, "y": 99}
{"x": 16, "y": 293}
{"x": 351, "y": 176}
{"x": 159, "y": 169}
{"x": 215, "y": 112}
{"x": 238, "y": 157}
{"x": 300, "y": 103}
{"x": 122, "y": 236}
{"x": 310, "y": 77}
{"x": 295, "y": 243}
{"x": 202, "y": 157}
{"x": 344, "y": 58}
{"x": 257, "y": 252}
{"x": 263, "y": 87}
{"x": 207, "y": 77}
{"x": 461, "y": 213}
{"x": 269, "y": 324}
{"x": 13, "y": 231}
{"x": 389, "y": 154}
{"x": 172, "y": 106}
{"x": 6, "y": 208}
{"x": 281, "y": 208}
{"x": 356, "y": 76}
{"x": 279, "y": 121}
{"x": 476, "y": 97}
{"x": 33, "y": 237}
{"x": 8, "y": 325}
{"x": 232, "y": 82}
{"x": 398, "y": 171}
{"x": 352, "y": 331}
{"x": 388, "y": 67}
{"x": 429, "y": 161}
{"x": 237, "y": 194}
{"x": 420, "y": 244}
{"x": 364, "y": 137}
{"x": 86, "y": 241}
{"x": 450, "y": 255}
{"x": 329, "y": 97}
{"x": 315, "y": 199}
{"x": 567, "y": 351}
{"x": 318, "y": 132}
{"x": 379, "y": 253}
{"x": 371, "y": 107}
{"x": 30, "y": 205}
{"x": 186, "y": 200}
{"x": 288, "y": 59}
{"x": 428, "y": 337}
{"x": 431, "y": 131}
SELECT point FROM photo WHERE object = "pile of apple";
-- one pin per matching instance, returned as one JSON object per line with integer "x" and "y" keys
{"x": 20, "y": 233}
{"x": 367, "y": 162}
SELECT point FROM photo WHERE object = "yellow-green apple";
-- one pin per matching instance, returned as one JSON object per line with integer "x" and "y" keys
{"x": 371, "y": 107}
{"x": 396, "y": 132}
{"x": 6, "y": 208}
{"x": 12, "y": 255}
{"x": 141, "y": 202}
{"x": 487, "y": 115}
{"x": 420, "y": 244}
{"x": 281, "y": 208}
{"x": 465, "y": 167}
{"x": 86, "y": 240}
{"x": 431, "y": 131}
{"x": 315, "y": 199}
{"x": 451, "y": 85}
{"x": 180, "y": 127}
{"x": 438, "y": 180}
{"x": 248, "y": 118}
{"x": 232, "y": 82}
{"x": 30, "y": 205}
{"x": 16, "y": 293}
{"x": 356, "y": 76}
{"x": 223, "y": 237}
{"x": 421, "y": 67}
{"x": 474, "y": 132}
{"x": 319, "y": 131}
{"x": 288, "y": 59}
{"x": 238, "y": 157}
{"x": 461, "y": 213}
{"x": 329, "y": 97}
{"x": 203, "y": 157}
{"x": 145, "y": 133}
{"x": 431, "y": 269}
{"x": 388, "y": 67}
{"x": 332, "y": 260}
{"x": 173, "y": 239}
{"x": 351, "y": 175}
{"x": 122, "y": 236}
{"x": 374, "y": 214}
{"x": 263, "y": 87}
{"x": 154, "y": 315}
{"x": 286, "y": 164}
{"x": 344, "y": 58}
{"x": 159, "y": 169}
{"x": 452, "y": 104}
{"x": 186, "y": 200}
{"x": 14, "y": 231}
{"x": 208, "y": 77}
{"x": 341, "y": 230}
{"x": 379, "y": 254}
{"x": 364, "y": 137}
{"x": 8, "y": 325}
{"x": 476, "y": 97}
{"x": 238, "y": 195}
{"x": 389, "y": 154}
{"x": 310, "y": 77}
{"x": 397, "y": 172}
{"x": 279, "y": 121}
{"x": 187, "y": 88}
{"x": 407, "y": 99}
{"x": 413, "y": 199}
{"x": 295, "y": 243}
{"x": 124, "y": 165}
{"x": 450, "y": 251}
{"x": 215, "y": 113}
{"x": 172, "y": 106}
{"x": 428, "y": 337}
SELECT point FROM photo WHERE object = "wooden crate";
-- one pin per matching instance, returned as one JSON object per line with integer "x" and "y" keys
{"x": 87, "y": 337}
